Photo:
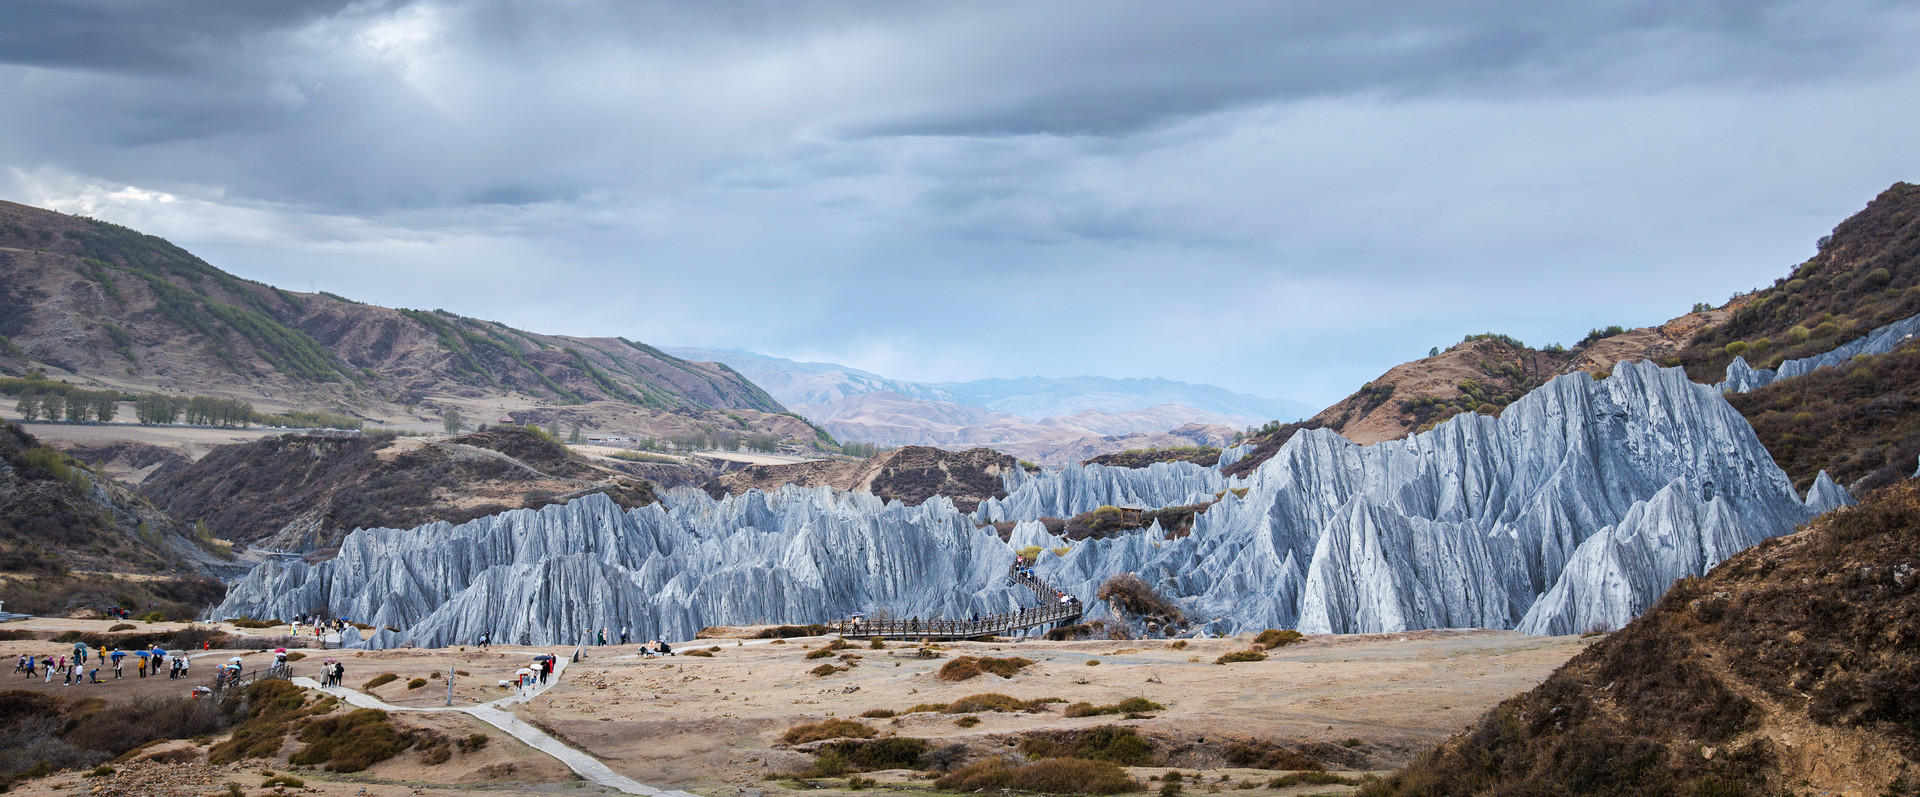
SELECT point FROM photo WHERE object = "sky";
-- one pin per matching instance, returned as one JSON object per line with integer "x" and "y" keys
{"x": 1283, "y": 199}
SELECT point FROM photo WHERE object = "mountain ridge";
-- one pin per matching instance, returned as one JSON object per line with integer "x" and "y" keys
{"x": 114, "y": 307}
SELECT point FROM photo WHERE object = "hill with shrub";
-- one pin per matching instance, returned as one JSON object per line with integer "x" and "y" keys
{"x": 104, "y": 305}
{"x": 72, "y": 539}
{"x": 1865, "y": 274}
{"x": 1789, "y": 669}
{"x": 911, "y": 474}
{"x": 302, "y": 492}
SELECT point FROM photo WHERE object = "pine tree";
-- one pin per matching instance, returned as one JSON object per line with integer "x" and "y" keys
{"x": 29, "y": 406}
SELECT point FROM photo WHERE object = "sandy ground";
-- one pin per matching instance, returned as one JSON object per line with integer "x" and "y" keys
{"x": 712, "y": 725}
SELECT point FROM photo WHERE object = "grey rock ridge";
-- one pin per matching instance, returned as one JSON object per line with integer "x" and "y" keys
{"x": 1079, "y": 488}
{"x": 1572, "y": 510}
{"x": 1742, "y": 377}
{"x": 551, "y": 575}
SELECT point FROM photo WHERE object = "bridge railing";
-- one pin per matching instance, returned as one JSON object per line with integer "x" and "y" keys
{"x": 1048, "y": 613}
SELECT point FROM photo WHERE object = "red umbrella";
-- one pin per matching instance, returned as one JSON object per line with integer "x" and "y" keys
{"x": 279, "y": 650}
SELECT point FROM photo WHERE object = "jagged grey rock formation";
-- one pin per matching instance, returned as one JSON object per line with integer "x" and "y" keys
{"x": 1080, "y": 488}
{"x": 550, "y": 576}
{"x": 1742, "y": 377}
{"x": 1572, "y": 510}
{"x": 1471, "y": 523}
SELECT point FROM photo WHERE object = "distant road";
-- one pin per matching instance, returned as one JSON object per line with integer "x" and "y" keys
{"x": 755, "y": 457}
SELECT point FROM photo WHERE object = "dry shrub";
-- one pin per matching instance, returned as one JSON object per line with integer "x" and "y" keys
{"x": 965, "y": 667}
{"x": 1274, "y": 638}
{"x": 1053, "y": 776}
{"x": 990, "y": 701}
{"x": 705, "y": 654}
{"x": 825, "y": 670}
{"x": 1113, "y": 743}
{"x": 893, "y": 752}
{"x": 143, "y": 720}
{"x": 878, "y": 713}
{"x": 118, "y": 627}
{"x": 967, "y": 721}
{"x": 1263, "y": 754}
{"x": 819, "y": 654}
{"x": 350, "y": 742}
{"x": 1131, "y": 705}
{"x": 1073, "y": 776}
{"x": 991, "y": 774}
{"x": 474, "y": 742}
{"x": 380, "y": 680}
{"x": 1067, "y": 633}
{"x": 828, "y": 729}
{"x": 416, "y": 683}
{"x": 1132, "y": 596}
{"x": 1239, "y": 656}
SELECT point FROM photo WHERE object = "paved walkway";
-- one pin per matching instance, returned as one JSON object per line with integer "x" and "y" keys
{"x": 492, "y": 714}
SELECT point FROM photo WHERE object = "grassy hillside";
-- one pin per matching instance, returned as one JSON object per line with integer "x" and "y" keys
{"x": 106, "y": 302}
{"x": 1789, "y": 669}
{"x": 1867, "y": 273}
{"x": 304, "y": 492}
{"x": 72, "y": 540}
{"x": 1860, "y": 422}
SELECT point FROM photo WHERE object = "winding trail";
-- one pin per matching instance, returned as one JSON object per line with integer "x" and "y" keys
{"x": 492, "y": 713}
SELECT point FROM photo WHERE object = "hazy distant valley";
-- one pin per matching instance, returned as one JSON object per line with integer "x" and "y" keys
{"x": 1049, "y": 421}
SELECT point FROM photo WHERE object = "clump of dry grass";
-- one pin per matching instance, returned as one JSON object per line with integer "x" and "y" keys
{"x": 1241, "y": 655}
{"x": 966, "y": 667}
{"x": 1275, "y": 638}
{"x": 828, "y": 729}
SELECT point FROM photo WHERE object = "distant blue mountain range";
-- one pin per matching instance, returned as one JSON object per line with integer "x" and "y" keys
{"x": 1031, "y": 397}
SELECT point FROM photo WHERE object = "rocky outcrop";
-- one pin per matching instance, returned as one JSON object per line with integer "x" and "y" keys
{"x": 1574, "y": 509}
{"x": 1742, "y": 377}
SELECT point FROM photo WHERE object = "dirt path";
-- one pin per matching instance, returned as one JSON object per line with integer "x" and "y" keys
{"x": 492, "y": 714}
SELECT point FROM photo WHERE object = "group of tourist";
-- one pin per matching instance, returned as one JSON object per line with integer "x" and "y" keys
{"x": 83, "y": 666}
{"x": 320, "y": 626}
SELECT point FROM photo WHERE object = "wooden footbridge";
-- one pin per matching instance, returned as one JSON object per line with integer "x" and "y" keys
{"x": 1052, "y": 611}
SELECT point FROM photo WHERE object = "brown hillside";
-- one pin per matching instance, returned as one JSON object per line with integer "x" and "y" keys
{"x": 1860, "y": 422}
{"x": 1789, "y": 669}
{"x": 71, "y": 539}
{"x": 300, "y": 492}
{"x": 110, "y": 306}
{"x": 911, "y": 475}
{"x": 1867, "y": 273}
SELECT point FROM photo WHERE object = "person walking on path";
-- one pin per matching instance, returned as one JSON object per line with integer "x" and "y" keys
{"x": 117, "y": 656}
{"x": 602, "y": 638}
{"x": 624, "y": 636}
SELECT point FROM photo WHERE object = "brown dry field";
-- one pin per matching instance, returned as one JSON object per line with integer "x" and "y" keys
{"x": 712, "y": 725}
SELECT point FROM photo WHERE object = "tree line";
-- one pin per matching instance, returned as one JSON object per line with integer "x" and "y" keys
{"x": 102, "y": 406}
{"x": 71, "y": 404}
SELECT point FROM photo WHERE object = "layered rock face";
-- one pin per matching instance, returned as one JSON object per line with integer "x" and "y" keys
{"x": 1572, "y": 510}
{"x": 1742, "y": 377}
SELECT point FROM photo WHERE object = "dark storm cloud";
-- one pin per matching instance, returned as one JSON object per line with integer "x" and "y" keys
{"x": 134, "y": 36}
{"x": 941, "y": 190}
